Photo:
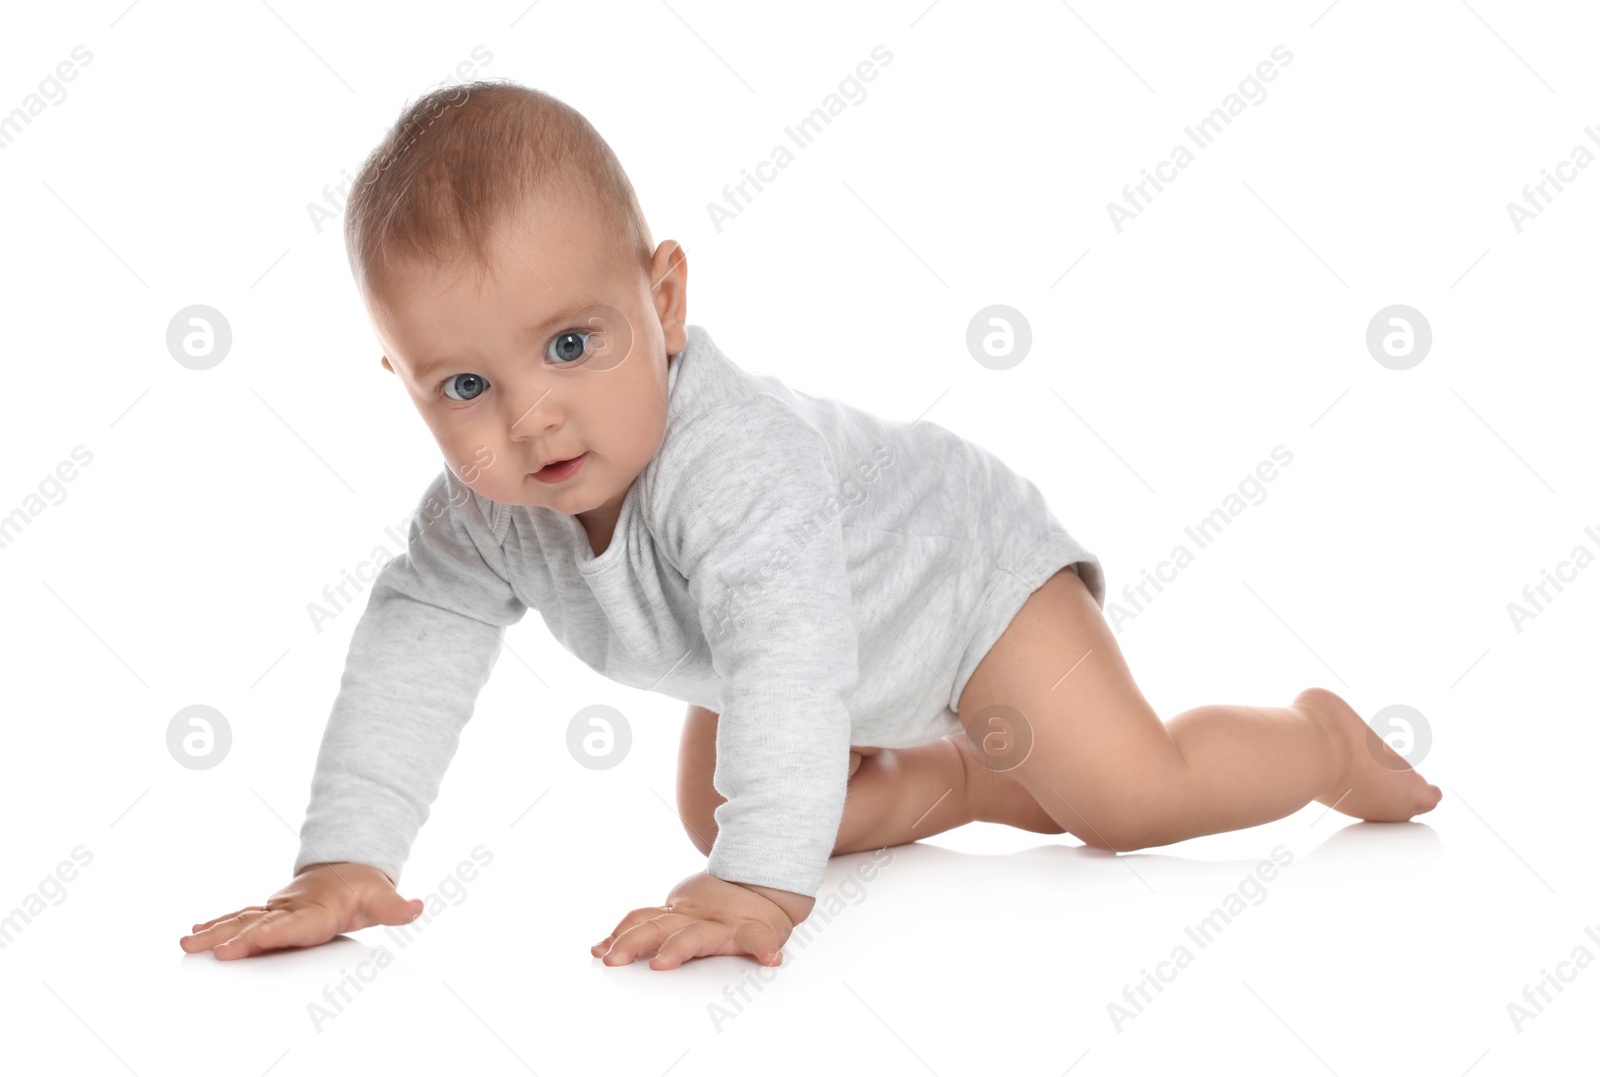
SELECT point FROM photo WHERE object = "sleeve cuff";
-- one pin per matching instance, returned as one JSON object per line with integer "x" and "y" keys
{"x": 352, "y": 849}
{"x": 765, "y": 866}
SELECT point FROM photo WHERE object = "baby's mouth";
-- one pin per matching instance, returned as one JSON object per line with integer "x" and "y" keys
{"x": 560, "y": 470}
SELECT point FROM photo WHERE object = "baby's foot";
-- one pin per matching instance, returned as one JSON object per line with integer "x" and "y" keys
{"x": 996, "y": 796}
{"x": 1377, "y": 783}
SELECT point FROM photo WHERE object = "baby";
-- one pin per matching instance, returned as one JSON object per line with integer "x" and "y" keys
{"x": 881, "y": 631}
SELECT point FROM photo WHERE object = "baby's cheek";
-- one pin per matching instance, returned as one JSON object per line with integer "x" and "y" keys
{"x": 474, "y": 455}
{"x": 483, "y": 458}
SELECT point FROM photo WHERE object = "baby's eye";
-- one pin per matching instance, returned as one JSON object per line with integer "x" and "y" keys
{"x": 567, "y": 348}
{"x": 472, "y": 385}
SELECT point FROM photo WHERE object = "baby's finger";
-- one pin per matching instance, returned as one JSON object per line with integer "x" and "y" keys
{"x": 697, "y": 938}
{"x": 396, "y": 911}
{"x": 759, "y": 941}
{"x": 228, "y": 916}
{"x": 642, "y": 939}
{"x": 275, "y": 930}
{"x": 219, "y": 930}
{"x": 632, "y": 920}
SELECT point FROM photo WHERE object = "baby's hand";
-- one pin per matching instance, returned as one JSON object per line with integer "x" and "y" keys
{"x": 319, "y": 903}
{"x": 705, "y": 916}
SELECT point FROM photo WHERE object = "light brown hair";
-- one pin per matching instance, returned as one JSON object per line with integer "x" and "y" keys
{"x": 460, "y": 160}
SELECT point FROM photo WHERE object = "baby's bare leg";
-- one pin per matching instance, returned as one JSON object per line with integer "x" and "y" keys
{"x": 1112, "y": 773}
{"x": 895, "y": 795}
{"x": 901, "y": 794}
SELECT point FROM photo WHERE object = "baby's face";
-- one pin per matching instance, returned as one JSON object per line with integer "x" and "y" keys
{"x": 559, "y": 353}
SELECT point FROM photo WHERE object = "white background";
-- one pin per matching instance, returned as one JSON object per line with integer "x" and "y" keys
{"x": 1229, "y": 318}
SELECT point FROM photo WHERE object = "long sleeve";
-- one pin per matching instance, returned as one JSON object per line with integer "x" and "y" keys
{"x": 418, "y": 657}
{"x": 754, "y": 527}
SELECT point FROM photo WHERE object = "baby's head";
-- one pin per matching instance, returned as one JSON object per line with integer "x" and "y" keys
{"x": 511, "y": 278}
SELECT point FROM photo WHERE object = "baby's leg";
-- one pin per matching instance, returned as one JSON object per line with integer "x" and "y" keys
{"x": 1108, "y": 770}
{"x": 898, "y": 795}
{"x": 895, "y": 795}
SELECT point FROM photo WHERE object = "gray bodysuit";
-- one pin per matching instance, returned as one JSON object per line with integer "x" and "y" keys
{"x": 815, "y": 574}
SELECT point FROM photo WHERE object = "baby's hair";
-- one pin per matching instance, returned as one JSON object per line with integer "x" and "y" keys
{"x": 460, "y": 160}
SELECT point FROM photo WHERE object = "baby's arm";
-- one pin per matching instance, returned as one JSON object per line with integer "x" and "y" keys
{"x": 752, "y": 524}
{"x": 418, "y": 657}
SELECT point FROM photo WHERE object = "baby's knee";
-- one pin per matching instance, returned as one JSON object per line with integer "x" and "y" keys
{"x": 857, "y": 755}
{"x": 1126, "y": 828}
